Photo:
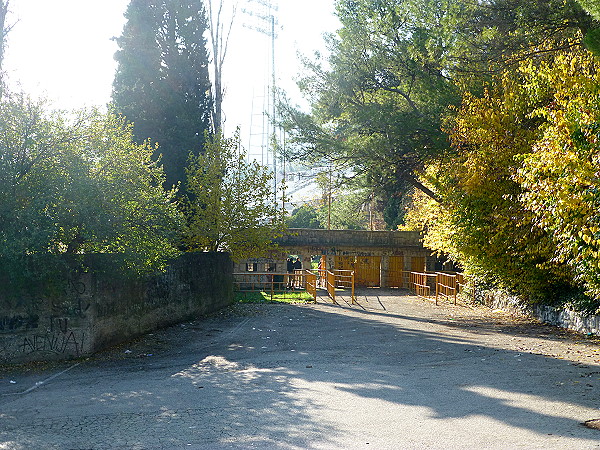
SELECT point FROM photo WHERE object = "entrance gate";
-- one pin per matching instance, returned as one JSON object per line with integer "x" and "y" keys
{"x": 366, "y": 268}
{"x": 396, "y": 272}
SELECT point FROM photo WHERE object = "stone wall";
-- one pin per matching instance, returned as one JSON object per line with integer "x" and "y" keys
{"x": 87, "y": 312}
{"x": 571, "y": 320}
{"x": 564, "y": 318}
{"x": 304, "y": 237}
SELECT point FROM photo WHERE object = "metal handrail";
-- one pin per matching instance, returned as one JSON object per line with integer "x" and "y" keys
{"x": 274, "y": 282}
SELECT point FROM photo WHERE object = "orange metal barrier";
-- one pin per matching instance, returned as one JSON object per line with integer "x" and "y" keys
{"x": 311, "y": 283}
{"x": 330, "y": 284}
{"x": 345, "y": 279}
{"x": 341, "y": 279}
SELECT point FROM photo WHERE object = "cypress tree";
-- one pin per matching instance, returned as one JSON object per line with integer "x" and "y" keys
{"x": 162, "y": 81}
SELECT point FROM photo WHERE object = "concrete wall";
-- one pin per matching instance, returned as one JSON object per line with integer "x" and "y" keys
{"x": 87, "y": 312}
{"x": 564, "y": 318}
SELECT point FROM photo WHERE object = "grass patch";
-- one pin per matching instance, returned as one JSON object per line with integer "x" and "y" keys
{"x": 280, "y": 297}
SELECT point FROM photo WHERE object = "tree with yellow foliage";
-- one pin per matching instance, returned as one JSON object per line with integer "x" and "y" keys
{"x": 231, "y": 206}
{"x": 561, "y": 176}
{"x": 520, "y": 197}
{"x": 480, "y": 221}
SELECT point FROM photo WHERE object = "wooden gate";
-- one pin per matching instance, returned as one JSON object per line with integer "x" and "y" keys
{"x": 367, "y": 270}
{"x": 396, "y": 272}
{"x": 417, "y": 264}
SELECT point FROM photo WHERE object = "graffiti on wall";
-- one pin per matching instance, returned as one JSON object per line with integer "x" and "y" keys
{"x": 18, "y": 322}
{"x": 75, "y": 314}
{"x": 59, "y": 338}
{"x": 75, "y": 301}
{"x": 54, "y": 328}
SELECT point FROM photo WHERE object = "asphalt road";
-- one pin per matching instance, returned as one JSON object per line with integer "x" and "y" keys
{"x": 393, "y": 372}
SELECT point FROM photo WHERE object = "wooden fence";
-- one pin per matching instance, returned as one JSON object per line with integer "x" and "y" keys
{"x": 430, "y": 285}
{"x": 444, "y": 284}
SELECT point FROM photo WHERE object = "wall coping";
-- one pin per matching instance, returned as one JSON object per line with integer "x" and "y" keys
{"x": 304, "y": 237}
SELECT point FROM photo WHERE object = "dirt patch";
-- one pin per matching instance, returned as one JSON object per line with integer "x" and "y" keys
{"x": 529, "y": 335}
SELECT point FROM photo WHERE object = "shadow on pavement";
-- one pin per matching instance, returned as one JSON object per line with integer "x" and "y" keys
{"x": 305, "y": 376}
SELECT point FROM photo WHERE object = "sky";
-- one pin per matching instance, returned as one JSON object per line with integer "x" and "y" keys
{"x": 62, "y": 50}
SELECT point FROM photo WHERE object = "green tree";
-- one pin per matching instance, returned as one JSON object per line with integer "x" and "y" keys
{"x": 592, "y": 7}
{"x": 231, "y": 207}
{"x": 394, "y": 71}
{"x": 592, "y": 37}
{"x": 162, "y": 81}
{"x": 349, "y": 211}
{"x": 79, "y": 185}
{"x": 498, "y": 34}
{"x": 378, "y": 102}
{"x": 304, "y": 216}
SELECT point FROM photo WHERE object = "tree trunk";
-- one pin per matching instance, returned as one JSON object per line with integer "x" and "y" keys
{"x": 219, "y": 42}
{"x": 420, "y": 186}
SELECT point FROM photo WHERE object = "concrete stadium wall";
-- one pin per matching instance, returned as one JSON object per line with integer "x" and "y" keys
{"x": 91, "y": 311}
